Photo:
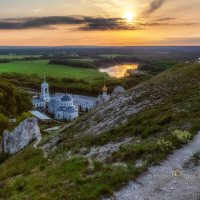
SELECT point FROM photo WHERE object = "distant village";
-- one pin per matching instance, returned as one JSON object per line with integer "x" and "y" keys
{"x": 66, "y": 107}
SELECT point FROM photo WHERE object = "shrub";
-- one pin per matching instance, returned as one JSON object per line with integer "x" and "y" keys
{"x": 133, "y": 151}
{"x": 4, "y": 123}
{"x": 151, "y": 130}
{"x": 22, "y": 117}
{"x": 164, "y": 146}
{"x": 182, "y": 136}
{"x": 165, "y": 120}
{"x": 3, "y": 157}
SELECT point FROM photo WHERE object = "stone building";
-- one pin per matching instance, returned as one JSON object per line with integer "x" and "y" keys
{"x": 63, "y": 108}
{"x": 66, "y": 107}
{"x": 104, "y": 96}
{"x": 117, "y": 91}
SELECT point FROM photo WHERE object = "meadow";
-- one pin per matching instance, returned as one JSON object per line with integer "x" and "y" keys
{"x": 41, "y": 67}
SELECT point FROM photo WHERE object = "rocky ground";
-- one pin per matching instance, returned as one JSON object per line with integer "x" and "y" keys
{"x": 101, "y": 153}
{"x": 172, "y": 180}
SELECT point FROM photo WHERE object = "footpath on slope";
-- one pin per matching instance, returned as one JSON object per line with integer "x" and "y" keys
{"x": 168, "y": 181}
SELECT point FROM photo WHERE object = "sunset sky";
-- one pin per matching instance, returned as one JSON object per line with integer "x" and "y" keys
{"x": 99, "y": 22}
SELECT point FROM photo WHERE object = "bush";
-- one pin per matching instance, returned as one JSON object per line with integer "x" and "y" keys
{"x": 164, "y": 146}
{"x": 13, "y": 102}
{"x": 151, "y": 130}
{"x": 4, "y": 123}
{"x": 182, "y": 136}
{"x": 3, "y": 157}
{"x": 134, "y": 151}
{"x": 22, "y": 117}
{"x": 165, "y": 120}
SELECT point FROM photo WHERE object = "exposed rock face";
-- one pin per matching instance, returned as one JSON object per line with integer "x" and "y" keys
{"x": 24, "y": 134}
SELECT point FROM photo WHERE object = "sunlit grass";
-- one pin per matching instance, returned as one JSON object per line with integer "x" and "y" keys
{"x": 42, "y": 67}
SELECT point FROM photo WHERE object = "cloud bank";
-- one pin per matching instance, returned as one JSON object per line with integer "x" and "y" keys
{"x": 154, "y": 5}
{"x": 84, "y": 23}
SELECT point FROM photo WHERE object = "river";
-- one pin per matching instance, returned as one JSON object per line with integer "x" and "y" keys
{"x": 119, "y": 71}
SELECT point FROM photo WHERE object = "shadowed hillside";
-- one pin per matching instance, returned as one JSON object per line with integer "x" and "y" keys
{"x": 100, "y": 152}
{"x": 174, "y": 86}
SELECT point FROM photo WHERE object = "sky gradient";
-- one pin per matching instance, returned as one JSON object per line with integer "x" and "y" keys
{"x": 99, "y": 22}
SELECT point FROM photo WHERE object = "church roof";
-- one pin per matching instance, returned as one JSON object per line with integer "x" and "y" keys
{"x": 71, "y": 109}
{"x": 59, "y": 109}
{"x": 119, "y": 89}
{"x": 66, "y": 97}
{"x": 45, "y": 84}
{"x": 77, "y": 97}
{"x": 37, "y": 101}
{"x": 54, "y": 103}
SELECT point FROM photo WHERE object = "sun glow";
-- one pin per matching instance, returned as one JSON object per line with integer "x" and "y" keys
{"x": 129, "y": 16}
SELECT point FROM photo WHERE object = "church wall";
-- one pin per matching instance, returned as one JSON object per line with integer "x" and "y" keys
{"x": 70, "y": 116}
{"x": 59, "y": 115}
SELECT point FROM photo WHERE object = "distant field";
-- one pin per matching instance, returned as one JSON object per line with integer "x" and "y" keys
{"x": 82, "y": 60}
{"x": 41, "y": 67}
{"x": 114, "y": 55}
{"x": 13, "y": 56}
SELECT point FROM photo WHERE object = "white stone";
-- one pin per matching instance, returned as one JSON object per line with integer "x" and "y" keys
{"x": 24, "y": 134}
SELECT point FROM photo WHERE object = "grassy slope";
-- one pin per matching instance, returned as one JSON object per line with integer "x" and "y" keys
{"x": 29, "y": 176}
{"x": 41, "y": 67}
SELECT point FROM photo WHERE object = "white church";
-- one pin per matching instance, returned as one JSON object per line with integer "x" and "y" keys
{"x": 66, "y": 107}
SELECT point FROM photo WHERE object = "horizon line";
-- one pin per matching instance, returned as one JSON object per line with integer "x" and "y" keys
{"x": 65, "y": 46}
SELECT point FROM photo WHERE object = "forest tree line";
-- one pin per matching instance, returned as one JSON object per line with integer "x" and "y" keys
{"x": 13, "y": 102}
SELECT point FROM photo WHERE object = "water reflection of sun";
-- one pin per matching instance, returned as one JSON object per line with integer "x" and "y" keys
{"x": 119, "y": 71}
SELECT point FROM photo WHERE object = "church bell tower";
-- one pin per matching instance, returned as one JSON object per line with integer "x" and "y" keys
{"x": 45, "y": 91}
{"x": 105, "y": 91}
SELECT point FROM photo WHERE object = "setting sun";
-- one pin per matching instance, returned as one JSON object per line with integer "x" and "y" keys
{"x": 129, "y": 16}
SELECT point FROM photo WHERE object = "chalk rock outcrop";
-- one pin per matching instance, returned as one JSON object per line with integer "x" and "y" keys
{"x": 27, "y": 132}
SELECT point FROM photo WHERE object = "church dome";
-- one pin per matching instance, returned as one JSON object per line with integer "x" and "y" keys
{"x": 104, "y": 89}
{"x": 44, "y": 84}
{"x": 71, "y": 109}
{"x": 118, "y": 90}
{"x": 67, "y": 98}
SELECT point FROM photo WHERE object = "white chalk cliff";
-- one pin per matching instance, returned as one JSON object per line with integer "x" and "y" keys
{"x": 27, "y": 132}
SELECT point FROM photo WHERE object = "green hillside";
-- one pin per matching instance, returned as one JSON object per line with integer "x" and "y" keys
{"x": 169, "y": 118}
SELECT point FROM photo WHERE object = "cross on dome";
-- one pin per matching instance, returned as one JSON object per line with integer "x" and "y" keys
{"x": 104, "y": 89}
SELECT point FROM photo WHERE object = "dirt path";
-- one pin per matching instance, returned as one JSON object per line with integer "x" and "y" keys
{"x": 168, "y": 181}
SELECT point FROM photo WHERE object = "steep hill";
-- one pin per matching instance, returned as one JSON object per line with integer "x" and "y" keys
{"x": 176, "y": 83}
{"x": 98, "y": 153}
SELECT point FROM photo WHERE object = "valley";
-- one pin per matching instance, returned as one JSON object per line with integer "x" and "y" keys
{"x": 102, "y": 152}
{"x": 99, "y": 100}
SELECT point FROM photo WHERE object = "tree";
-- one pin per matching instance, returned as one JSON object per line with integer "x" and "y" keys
{"x": 13, "y": 102}
{"x": 22, "y": 117}
{"x": 4, "y": 123}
